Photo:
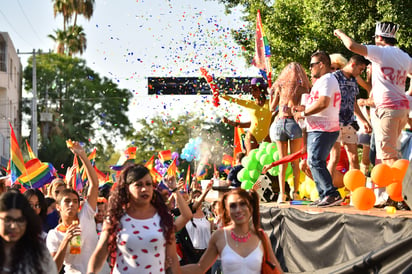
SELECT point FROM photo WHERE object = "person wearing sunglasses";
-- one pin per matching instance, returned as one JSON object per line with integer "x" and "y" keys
{"x": 241, "y": 243}
{"x": 322, "y": 125}
{"x": 21, "y": 247}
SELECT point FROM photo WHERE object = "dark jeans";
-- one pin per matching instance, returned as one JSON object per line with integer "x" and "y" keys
{"x": 319, "y": 144}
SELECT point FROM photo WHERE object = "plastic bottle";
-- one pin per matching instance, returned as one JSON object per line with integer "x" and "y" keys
{"x": 75, "y": 242}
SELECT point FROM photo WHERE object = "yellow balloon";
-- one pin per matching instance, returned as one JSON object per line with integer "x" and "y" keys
{"x": 302, "y": 190}
{"x": 314, "y": 195}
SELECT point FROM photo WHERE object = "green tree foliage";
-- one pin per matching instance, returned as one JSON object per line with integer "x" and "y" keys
{"x": 297, "y": 28}
{"x": 158, "y": 134}
{"x": 84, "y": 106}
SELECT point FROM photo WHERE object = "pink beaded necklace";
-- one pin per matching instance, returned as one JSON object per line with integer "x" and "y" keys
{"x": 240, "y": 239}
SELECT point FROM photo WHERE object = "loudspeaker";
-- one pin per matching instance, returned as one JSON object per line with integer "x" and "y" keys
{"x": 265, "y": 191}
{"x": 407, "y": 186}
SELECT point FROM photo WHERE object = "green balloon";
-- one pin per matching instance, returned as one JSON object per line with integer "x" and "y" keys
{"x": 245, "y": 161}
{"x": 254, "y": 174}
{"x": 271, "y": 148}
{"x": 274, "y": 171}
{"x": 266, "y": 159}
{"x": 243, "y": 175}
{"x": 252, "y": 153}
{"x": 260, "y": 153}
{"x": 263, "y": 145}
{"x": 252, "y": 164}
{"x": 247, "y": 184}
{"x": 275, "y": 156}
{"x": 289, "y": 171}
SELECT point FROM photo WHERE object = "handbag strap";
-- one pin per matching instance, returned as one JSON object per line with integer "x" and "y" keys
{"x": 266, "y": 249}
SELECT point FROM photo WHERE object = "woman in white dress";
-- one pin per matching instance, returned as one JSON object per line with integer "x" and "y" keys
{"x": 138, "y": 232}
{"x": 240, "y": 245}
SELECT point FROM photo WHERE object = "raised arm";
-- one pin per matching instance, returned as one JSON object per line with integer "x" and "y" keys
{"x": 198, "y": 202}
{"x": 93, "y": 190}
{"x": 350, "y": 44}
{"x": 185, "y": 212}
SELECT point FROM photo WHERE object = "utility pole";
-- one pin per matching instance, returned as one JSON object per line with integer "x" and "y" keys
{"x": 34, "y": 104}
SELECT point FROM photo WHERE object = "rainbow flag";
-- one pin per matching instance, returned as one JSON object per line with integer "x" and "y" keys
{"x": 172, "y": 169}
{"x": 17, "y": 167}
{"x": 92, "y": 158}
{"x": 188, "y": 181}
{"x": 128, "y": 155}
{"x": 239, "y": 144}
{"x": 30, "y": 151}
{"x": 165, "y": 155}
{"x": 157, "y": 177}
{"x": 37, "y": 174}
{"x": 262, "y": 51}
{"x": 76, "y": 181}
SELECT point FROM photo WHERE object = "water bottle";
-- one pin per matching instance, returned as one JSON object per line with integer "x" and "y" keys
{"x": 75, "y": 242}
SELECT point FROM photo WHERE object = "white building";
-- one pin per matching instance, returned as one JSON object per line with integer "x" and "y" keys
{"x": 10, "y": 95}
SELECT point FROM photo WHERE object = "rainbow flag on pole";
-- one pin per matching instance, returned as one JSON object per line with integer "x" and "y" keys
{"x": 17, "y": 167}
{"x": 30, "y": 151}
{"x": 262, "y": 51}
{"x": 156, "y": 176}
{"x": 37, "y": 174}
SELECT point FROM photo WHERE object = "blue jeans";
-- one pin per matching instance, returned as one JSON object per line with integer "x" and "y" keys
{"x": 319, "y": 144}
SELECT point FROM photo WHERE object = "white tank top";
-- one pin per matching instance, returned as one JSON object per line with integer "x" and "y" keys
{"x": 232, "y": 262}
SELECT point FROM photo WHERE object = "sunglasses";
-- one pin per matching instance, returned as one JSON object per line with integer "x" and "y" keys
{"x": 311, "y": 65}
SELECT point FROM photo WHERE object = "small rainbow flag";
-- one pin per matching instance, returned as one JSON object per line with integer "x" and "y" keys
{"x": 172, "y": 169}
{"x": 30, "y": 151}
{"x": 17, "y": 167}
{"x": 262, "y": 51}
{"x": 156, "y": 176}
{"x": 188, "y": 181}
{"x": 165, "y": 155}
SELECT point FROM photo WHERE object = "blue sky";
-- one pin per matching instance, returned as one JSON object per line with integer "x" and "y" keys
{"x": 130, "y": 40}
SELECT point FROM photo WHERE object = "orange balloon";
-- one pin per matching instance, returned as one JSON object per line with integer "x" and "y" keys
{"x": 381, "y": 175}
{"x": 399, "y": 168}
{"x": 353, "y": 179}
{"x": 394, "y": 191}
{"x": 363, "y": 198}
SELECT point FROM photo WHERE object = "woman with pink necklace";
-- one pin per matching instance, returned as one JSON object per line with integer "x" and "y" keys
{"x": 240, "y": 245}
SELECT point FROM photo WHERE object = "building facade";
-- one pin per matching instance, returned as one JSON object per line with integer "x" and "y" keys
{"x": 10, "y": 95}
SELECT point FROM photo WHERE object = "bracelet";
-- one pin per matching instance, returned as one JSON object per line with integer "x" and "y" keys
{"x": 302, "y": 113}
{"x": 174, "y": 190}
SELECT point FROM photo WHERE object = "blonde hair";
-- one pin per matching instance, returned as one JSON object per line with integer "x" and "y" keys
{"x": 338, "y": 59}
{"x": 57, "y": 182}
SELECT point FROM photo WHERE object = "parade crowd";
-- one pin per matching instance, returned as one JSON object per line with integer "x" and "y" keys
{"x": 143, "y": 226}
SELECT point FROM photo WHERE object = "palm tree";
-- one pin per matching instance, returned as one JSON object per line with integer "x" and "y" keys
{"x": 76, "y": 40}
{"x": 72, "y": 39}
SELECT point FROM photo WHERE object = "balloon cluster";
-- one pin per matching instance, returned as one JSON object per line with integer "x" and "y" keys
{"x": 162, "y": 167}
{"x": 253, "y": 163}
{"x": 382, "y": 175}
{"x": 191, "y": 150}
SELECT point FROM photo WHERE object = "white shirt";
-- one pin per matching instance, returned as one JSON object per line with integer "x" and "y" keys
{"x": 390, "y": 67}
{"x": 77, "y": 263}
{"x": 328, "y": 119}
{"x": 199, "y": 235}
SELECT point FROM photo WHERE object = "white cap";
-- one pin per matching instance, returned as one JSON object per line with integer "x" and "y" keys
{"x": 386, "y": 29}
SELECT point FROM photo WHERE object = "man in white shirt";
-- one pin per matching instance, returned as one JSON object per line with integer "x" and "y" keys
{"x": 390, "y": 67}
{"x": 322, "y": 124}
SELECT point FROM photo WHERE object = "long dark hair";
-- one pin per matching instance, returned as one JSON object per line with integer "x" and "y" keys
{"x": 119, "y": 199}
{"x": 28, "y": 251}
{"x": 42, "y": 202}
{"x": 252, "y": 199}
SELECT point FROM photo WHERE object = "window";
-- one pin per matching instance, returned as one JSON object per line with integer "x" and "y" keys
{"x": 3, "y": 51}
